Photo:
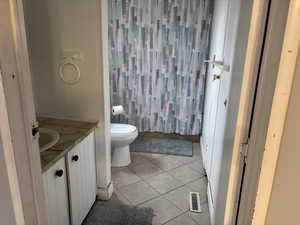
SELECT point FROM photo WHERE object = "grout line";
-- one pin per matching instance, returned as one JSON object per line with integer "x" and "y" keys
{"x": 159, "y": 194}
{"x": 131, "y": 203}
{"x": 175, "y": 218}
{"x": 164, "y": 171}
{"x": 118, "y": 187}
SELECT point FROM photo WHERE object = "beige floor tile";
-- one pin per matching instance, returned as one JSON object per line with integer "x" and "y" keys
{"x": 188, "y": 160}
{"x": 153, "y": 157}
{"x": 124, "y": 176}
{"x": 164, "y": 183}
{"x": 145, "y": 170}
{"x": 196, "y": 148}
{"x": 180, "y": 198}
{"x": 185, "y": 174}
{"x": 200, "y": 186}
{"x": 183, "y": 219}
{"x": 167, "y": 163}
{"x": 117, "y": 169}
{"x": 151, "y": 175}
{"x": 201, "y": 218}
{"x": 163, "y": 210}
{"x": 137, "y": 159}
{"x": 197, "y": 166}
{"x": 138, "y": 192}
{"x": 118, "y": 198}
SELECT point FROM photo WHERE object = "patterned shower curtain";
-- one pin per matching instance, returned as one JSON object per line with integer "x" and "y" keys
{"x": 156, "y": 53}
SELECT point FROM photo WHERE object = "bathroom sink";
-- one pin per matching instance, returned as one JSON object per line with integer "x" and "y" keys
{"x": 48, "y": 138}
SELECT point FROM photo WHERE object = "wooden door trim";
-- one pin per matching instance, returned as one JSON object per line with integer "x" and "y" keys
{"x": 269, "y": 64}
{"x": 253, "y": 51}
{"x": 289, "y": 62}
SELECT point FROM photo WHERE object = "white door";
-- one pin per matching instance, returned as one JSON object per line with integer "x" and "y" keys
{"x": 16, "y": 78}
{"x": 219, "y": 157}
{"x": 214, "y": 76}
{"x": 82, "y": 179}
{"x": 56, "y": 193}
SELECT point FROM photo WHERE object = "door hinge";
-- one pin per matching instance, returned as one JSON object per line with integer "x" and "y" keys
{"x": 244, "y": 150}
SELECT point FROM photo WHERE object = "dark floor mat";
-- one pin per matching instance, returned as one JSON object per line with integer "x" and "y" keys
{"x": 115, "y": 214}
{"x": 162, "y": 145}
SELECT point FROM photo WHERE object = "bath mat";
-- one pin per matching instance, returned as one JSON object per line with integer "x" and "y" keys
{"x": 162, "y": 145}
{"x": 114, "y": 214}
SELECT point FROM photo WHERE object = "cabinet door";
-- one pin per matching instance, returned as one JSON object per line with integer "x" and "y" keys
{"x": 56, "y": 194}
{"x": 82, "y": 179}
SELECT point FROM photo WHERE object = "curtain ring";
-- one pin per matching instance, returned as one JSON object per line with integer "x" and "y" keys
{"x": 69, "y": 62}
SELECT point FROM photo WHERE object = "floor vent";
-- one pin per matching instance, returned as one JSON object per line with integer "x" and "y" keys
{"x": 195, "y": 205}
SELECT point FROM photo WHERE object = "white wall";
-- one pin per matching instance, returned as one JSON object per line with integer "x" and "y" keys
{"x": 54, "y": 26}
{"x": 284, "y": 207}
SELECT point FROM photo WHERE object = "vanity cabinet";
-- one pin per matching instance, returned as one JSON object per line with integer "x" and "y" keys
{"x": 56, "y": 194}
{"x": 82, "y": 179}
{"x": 70, "y": 184}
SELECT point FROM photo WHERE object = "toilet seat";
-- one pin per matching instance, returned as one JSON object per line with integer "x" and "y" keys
{"x": 120, "y": 130}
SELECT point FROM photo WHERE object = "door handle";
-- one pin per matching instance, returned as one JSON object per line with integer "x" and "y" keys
{"x": 219, "y": 64}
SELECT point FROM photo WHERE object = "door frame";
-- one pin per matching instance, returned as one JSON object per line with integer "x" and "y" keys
{"x": 9, "y": 181}
{"x": 18, "y": 118}
{"x": 260, "y": 115}
{"x": 287, "y": 71}
{"x": 260, "y": 75}
{"x": 21, "y": 64}
{"x": 250, "y": 69}
{"x": 242, "y": 52}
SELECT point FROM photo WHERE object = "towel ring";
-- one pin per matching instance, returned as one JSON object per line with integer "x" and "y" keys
{"x": 69, "y": 62}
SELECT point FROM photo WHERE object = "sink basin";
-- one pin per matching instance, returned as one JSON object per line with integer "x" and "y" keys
{"x": 48, "y": 138}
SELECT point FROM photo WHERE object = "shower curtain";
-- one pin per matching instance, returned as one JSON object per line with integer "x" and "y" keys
{"x": 156, "y": 53}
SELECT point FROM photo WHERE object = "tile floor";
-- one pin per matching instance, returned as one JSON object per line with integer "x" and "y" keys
{"x": 163, "y": 183}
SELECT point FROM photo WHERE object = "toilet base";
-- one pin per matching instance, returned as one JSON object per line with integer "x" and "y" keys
{"x": 120, "y": 156}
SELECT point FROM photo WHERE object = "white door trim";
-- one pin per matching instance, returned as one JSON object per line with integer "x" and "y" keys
{"x": 103, "y": 139}
{"x": 17, "y": 88}
{"x": 9, "y": 166}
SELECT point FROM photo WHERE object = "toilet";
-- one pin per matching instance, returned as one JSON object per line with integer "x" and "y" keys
{"x": 122, "y": 135}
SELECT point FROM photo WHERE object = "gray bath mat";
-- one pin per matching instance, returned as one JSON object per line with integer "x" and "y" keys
{"x": 162, "y": 145}
{"x": 112, "y": 214}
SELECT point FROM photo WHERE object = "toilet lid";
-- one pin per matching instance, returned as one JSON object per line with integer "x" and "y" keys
{"x": 118, "y": 128}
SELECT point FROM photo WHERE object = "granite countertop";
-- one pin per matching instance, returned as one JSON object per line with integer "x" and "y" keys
{"x": 71, "y": 133}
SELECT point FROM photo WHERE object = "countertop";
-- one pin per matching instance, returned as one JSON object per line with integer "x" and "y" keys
{"x": 71, "y": 133}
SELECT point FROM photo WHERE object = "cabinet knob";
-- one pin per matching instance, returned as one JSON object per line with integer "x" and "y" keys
{"x": 59, "y": 173}
{"x": 216, "y": 77}
{"x": 75, "y": 158}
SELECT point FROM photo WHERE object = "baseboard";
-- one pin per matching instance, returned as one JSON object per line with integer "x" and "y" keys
{"x": 210, "y": 206}
{"x": 204, "y": 159}
{"x": 105, "y": 193}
